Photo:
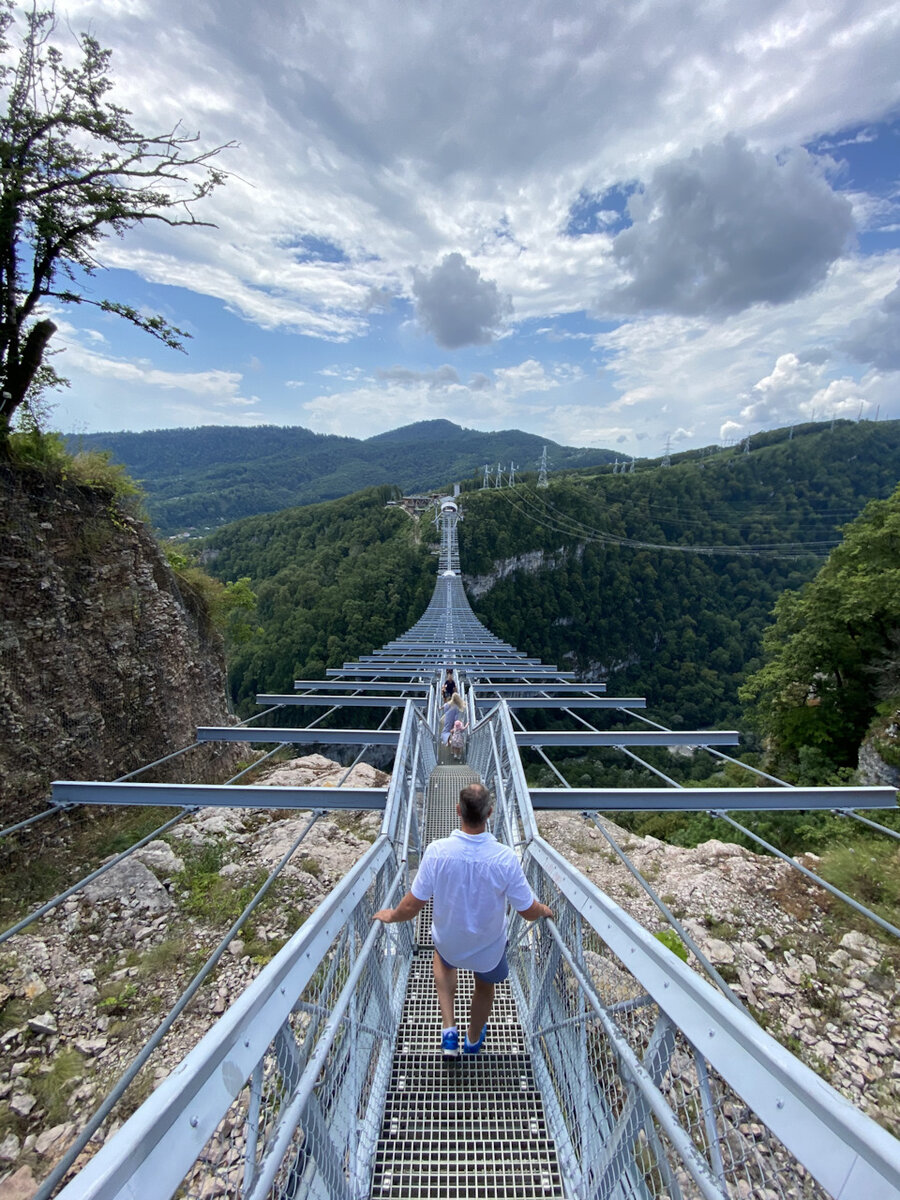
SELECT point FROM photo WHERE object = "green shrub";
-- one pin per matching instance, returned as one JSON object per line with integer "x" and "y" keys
{"x": 53, "y": 1088}
{"x": 673, "y": 942}
{"x": 867, "y": 870}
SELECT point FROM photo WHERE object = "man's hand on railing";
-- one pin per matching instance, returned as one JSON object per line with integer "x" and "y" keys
{"x": 408, "y": 908}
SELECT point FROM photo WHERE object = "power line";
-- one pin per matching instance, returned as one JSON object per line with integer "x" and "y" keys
{"x": 557, "y": 521}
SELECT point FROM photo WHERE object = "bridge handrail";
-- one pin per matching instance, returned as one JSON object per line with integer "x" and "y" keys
{"x": 595, "y": 950}
{"x": 275, "y": 1041}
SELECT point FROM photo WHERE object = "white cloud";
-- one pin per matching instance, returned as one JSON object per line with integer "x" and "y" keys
{"x": 767, "y": 360}
{"x": 359, "y": 164}
{"x": 402, "y": 396}
{"x": 443, "y": 378}
{"x": 529, "y": 376}
{"x": 875, "y": 338}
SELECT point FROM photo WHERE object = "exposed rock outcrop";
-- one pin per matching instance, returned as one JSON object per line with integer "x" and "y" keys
{"x": 872, "y": 767}
{"x": 105, "y": 664}
{"x": 86, "y": 987}
{"x": 82, "y": 990}
{"x": 530, "y": 562}
{"x": 829, "y": 992}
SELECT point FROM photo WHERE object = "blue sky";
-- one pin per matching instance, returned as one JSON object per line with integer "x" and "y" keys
{"x": 610, "y": 225}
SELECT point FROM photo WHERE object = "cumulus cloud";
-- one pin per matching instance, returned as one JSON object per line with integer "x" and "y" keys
{"x": 875, "y": 338}
{"x": 772, "y": 361}
{"x": 726, "y": 228}
{"x": 457, "y": 306}
{"x": 798, "y": 390}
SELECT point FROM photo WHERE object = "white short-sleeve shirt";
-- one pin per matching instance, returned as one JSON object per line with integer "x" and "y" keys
{"x": 470, "y": 877}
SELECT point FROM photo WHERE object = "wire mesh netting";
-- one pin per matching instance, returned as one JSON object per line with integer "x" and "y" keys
{"x": 592, "y": 1048}
{"x": 293, "y": 1129}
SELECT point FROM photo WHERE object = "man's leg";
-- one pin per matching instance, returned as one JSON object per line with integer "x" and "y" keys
{"x": 445, "y": 984}
{"x": 482, "y": 1003}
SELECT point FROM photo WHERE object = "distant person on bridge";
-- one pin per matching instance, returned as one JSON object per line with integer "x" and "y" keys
{"x": 449, "y": 685}
{"x": 458, "y": 740}
{"x": 470, "y": 876}
{"x": 454, "y": 710}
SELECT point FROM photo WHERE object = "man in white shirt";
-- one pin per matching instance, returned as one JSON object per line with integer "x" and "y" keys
{"x": 470, "y": 877}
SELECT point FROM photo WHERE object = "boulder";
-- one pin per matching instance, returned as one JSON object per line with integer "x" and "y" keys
{"x": 131, "y": 881}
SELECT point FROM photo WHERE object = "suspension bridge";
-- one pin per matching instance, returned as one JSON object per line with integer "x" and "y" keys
{"x": 613, "y": 1069}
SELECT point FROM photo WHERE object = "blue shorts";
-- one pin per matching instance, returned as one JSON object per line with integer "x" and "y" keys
{"x": 495, "y": 975}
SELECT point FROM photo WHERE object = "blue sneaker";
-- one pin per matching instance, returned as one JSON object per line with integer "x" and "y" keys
{"x": 474, "y": 1047}
{"x": 450, "y": 1043}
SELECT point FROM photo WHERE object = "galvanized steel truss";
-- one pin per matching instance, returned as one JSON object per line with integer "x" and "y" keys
{"x": 654, "y": 1081}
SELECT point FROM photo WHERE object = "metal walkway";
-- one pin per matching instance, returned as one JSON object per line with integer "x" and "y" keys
{"x": 615, "y": 1071}
{"x": 460, "y": 1128}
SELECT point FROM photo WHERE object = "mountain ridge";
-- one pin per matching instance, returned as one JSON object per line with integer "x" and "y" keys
{"x": 208, "y": 476}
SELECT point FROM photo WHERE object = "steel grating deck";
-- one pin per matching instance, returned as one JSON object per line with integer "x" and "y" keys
{"x": 464, "y": 1127}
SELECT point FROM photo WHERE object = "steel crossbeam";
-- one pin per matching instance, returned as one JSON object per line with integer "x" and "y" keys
{"x": 516, "y": 689}
{"x": 712, "y": 799}
{"x": 627, "y": 737}
{"x": 317, "y": 735}
{"x": 622, "y": 702}
{"x": 321, "y": 685}
{"x": 334, "y": 698}
{"x": 201, "y": 795}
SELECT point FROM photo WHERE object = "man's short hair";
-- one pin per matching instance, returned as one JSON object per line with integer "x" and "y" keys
{"x": 475, "y": 804}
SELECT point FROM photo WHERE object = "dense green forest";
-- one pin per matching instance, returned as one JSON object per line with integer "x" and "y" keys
{"x": 202, "y": 478}
{"x": 333, "y": 581}
{"x": 669, "y": 620}
{"x": 832, "y": 656}
{"x": 681, "y": 627}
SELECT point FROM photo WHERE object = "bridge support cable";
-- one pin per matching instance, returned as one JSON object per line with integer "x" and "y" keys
{"x": 289, "y": 1084}
{"x": 76, "y": 887}
{"x": 639, "y": 982}
{"x": 667, "y": 737}
{"x": 651, "y": 1081}
{"x": 47, "y": 812}
{"x": 811, "y": 875}
{"x": 136, "y": 1065}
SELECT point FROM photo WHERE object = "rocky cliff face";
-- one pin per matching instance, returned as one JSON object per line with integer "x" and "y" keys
{"x": 530, "y": 562}
{"x": 104, "y": 664}
{"x": 881, "y": 743}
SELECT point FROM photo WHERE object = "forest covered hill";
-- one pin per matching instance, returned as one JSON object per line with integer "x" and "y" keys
{"x": 661, "y": 580}
{"x": 198, "y": 479}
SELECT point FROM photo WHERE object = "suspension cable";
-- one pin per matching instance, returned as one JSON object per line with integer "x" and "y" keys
{"x": 860, "y": 908}
{"x": 125, "y": 1080}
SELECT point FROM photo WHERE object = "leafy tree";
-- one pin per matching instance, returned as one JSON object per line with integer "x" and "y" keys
{"x": 73, "y": 170}
{"x": 832, "y": 645}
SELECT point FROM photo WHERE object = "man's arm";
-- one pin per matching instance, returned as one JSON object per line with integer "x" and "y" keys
{"x": 410, "y": 906}
{"x": 536, "y": 910}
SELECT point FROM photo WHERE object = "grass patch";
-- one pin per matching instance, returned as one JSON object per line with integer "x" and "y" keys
{"x": 206, "y": 894}
{"x": 164, "y": 957}
{"x": 52, "y": 1088}
{"x": 17, "y": 1010}
{"x": 353, "y": 822}
{"x": 670, "y": 938}
{"x": 868, "y": 871}
{"x": 719, "y": 929}
{"x": 120, "y": 997}
{"x": 39, "y": 864}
